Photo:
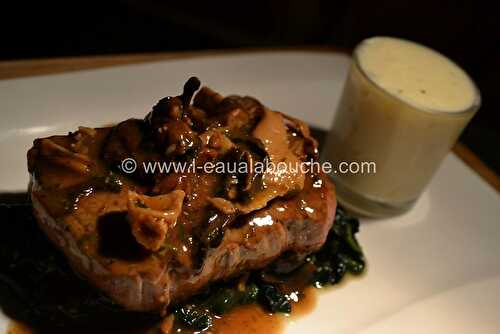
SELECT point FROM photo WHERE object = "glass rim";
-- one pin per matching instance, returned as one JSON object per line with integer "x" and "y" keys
{"x": 472, "y": 108}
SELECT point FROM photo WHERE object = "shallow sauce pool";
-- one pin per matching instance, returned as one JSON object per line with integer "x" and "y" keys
{"x": 246, "y": 319}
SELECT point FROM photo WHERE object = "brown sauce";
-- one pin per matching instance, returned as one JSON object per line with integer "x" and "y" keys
{"x": 246, "y": 319}
{"x": 306, "y": 304}
{"x": 249, "y": 319}
{"x": 252, "y": 319}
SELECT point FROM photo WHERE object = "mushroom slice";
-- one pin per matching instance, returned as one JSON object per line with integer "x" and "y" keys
{"x": 207, "y": 99}
{"x": 310, "y": 145}
{"x": 216, "y": 139}
{"x": 82, "y": 137}
{"x": 223, "y": 205}
{"x": 152, "y": 217}
{"x": 62, "y": 156}
{"x": 285, "y": 176}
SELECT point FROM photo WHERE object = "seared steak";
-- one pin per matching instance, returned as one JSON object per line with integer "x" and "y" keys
{"x": 153, "y": 239}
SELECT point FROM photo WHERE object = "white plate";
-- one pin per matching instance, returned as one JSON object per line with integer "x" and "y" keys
{"x": 434, "y": 270}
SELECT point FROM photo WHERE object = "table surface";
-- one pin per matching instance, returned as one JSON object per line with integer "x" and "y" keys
{"x": 33, "y": 67}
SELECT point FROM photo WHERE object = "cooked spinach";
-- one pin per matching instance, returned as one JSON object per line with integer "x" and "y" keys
{"x": 219, "y": 299}
{"x": 341, "y": 252}
{"x": 194, "y": 316}
{"x": 251, "y": 294}
{"x": 224, "y": 300}
{"x": 274, "y": 300}
{"x": 38, "y": 287}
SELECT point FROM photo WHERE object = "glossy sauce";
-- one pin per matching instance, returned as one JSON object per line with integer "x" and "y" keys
{"x": 247, "y": 319}
{"x": 252, "y": 319}
{"x": 306, "y": 304}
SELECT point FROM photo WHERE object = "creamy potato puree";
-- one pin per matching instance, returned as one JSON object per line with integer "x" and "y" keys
{"x": 403, "y": 107}
{"x": 419, "y": 75}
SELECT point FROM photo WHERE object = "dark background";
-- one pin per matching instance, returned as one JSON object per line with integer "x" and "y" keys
{"x": 466, "y": 31}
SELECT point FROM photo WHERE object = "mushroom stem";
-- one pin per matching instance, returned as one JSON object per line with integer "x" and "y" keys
{"x": 190, "y": 87}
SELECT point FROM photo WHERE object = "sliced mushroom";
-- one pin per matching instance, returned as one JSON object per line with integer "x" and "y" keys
{"x": 309, "y": 146}
{"x": 82, "y": 137}
{"x": 170, "y": 123}
{"x": 152, "y": 217}
{"x": 207, "y": 99}
{"x": 216, "y": 139}
{"x": 64, "y": 157}
{"x": 179, "y": 138}
{"x": 190, "y": 87}
{"x": 240, "y": 178}
{"x": 223, "y": 205}
{"x": 197, "y": 116}
{"x": 238, "y": 114}
{"x": 285, "y": 175}
{"x": 129, "y": 140}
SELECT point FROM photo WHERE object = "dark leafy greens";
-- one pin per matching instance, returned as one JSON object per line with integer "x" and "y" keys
{"x": 341, "y": 252}
{"x": 38, "y": 287}
{"x": 219, "y": 299}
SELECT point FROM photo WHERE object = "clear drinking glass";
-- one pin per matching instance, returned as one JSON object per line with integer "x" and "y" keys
{"x": 406, "y": 135}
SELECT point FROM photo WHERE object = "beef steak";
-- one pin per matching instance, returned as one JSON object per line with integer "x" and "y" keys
{"x": 151, "y": 239}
